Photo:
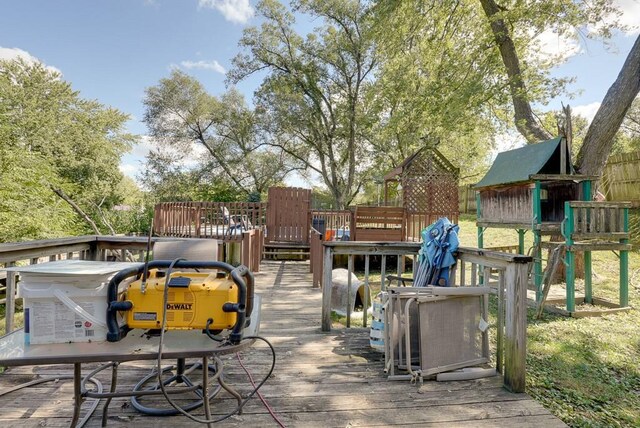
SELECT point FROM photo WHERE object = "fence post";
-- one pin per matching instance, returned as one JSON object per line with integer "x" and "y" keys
{"x": 10, "y": 300}
{"x": 94, "y": 252}
{"x": 245, "y": 257}
{"x": 254, "y": 262}
{"x": 515, "y": 338}
{"x": 326, "y": 288}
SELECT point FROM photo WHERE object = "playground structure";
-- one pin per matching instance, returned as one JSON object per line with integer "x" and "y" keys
{"x": 536, "y": 188}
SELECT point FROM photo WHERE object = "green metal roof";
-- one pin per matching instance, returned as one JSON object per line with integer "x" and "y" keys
{"x": 518, "y": 165}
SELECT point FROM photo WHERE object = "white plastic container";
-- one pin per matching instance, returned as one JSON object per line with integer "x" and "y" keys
{"x": 66, "y": 301}
{"x": 59, "y": 313}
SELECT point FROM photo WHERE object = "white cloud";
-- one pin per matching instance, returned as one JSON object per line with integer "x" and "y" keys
{"x": 588, "y": 111}
{"x": 239, "y": 11}
{"x": 630, "y": 15}
{"x": 550, "y": 45}
{"x": 129, "y": 169}
{"x": 143, "y": 146}
{"x": 205, "y": 65}
{"x": 14, "y": 53}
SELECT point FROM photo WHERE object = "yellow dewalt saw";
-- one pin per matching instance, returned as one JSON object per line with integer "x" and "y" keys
{"x": 211, "y": 302}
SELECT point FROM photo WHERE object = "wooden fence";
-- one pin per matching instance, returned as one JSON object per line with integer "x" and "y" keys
{"x": 511, "y": 271}
{"x": 621, "y": 182}
{"x": 96, "y": 247}
{"x": 378, "y": 224}
{"x": 218, "y": 220}
{"x": 621, "y": 178}
{"x": 331, "y": 222}
{"x": 466, "y": 199}
{"x": 288, "y": 215}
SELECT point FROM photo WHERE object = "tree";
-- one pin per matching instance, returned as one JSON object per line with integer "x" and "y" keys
{"x": 599, "y": 139}
{"x": 434, "y": 84}
{"x": 313, "y": 94}
{"x": 62, "y": 154}
{"x": 182, "y": 116}
{"x": 167, "y": 180}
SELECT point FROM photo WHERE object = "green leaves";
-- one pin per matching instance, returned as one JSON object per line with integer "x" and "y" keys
{"x": 206, "y": 145}
{"x": 52, "y": 137}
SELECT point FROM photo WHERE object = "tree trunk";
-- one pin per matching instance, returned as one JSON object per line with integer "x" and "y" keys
{"x": 597, "y": 144}
{"x": 525, "y": 121}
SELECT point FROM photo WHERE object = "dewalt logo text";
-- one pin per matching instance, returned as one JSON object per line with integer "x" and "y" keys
{"x": 179, "y": 306}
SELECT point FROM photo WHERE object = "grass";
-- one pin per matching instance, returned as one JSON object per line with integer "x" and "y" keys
{"x": 585, "y": 371}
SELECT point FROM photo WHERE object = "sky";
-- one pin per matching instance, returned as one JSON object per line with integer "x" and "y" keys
{"x": 112, "y": 50}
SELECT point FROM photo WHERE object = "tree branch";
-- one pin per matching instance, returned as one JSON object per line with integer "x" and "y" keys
{"x": 76, "y": 208}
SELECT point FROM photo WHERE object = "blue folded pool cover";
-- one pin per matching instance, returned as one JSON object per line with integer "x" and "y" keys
{"x": 436, "y": 256}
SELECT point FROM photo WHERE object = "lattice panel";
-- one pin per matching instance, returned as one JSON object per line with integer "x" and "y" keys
{"x": 429, "y": 191}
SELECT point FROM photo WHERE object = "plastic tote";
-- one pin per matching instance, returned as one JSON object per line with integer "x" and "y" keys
{"x": 58, "y": 313}
{"x": 66, "y": 301}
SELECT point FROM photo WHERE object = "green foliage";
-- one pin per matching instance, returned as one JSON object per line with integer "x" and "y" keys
{"x": 628, "y": 137}
{"x": 182, "y": 117}
{"x": 53, "y": 139}
{"x": 313, "y": 97}
{"x": 433, "y": 82}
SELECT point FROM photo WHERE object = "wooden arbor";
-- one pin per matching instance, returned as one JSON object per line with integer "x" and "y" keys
{"x": 429, "y": 189}
{"x": 536, "y": 188}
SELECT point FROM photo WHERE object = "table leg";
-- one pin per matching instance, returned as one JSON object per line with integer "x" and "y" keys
{"x": 77, "y": 393}
{"x": 226, "y": 386}
{"x": 114, "y": 380}
{"x": 205, "y": 390}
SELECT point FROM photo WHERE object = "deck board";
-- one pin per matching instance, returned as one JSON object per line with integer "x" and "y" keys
{"x": 321, "y": 379}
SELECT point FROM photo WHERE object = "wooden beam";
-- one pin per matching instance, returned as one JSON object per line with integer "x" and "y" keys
{"x": 515, "y": 338}
{"x": 326, "y": 288}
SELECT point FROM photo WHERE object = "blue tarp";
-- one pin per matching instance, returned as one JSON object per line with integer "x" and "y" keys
{"x": 439, "y": 242}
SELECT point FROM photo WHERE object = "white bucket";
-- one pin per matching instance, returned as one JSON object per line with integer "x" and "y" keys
{"x": 62, "y": 313}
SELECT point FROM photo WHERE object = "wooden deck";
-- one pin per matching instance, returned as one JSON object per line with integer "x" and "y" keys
{"x": 320, "y": 380}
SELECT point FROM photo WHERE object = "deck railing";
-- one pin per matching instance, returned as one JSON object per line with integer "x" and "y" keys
{"x": 218, "y": 220}
{"x": 329, "y": 222}
{"x": 472, "y": 264}
{"x": 95, "y": 247}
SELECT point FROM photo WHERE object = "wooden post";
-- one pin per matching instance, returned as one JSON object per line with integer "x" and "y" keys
{"x": 501, "y": 316}
{"x": 93, "y": 253}
{"x": 367, "y": 291}
{"x": 570, "y": 257}
{"x": 246, "y": 249}
{"x": 480, "y": 237}
{"x": 257, "y": 249}
{"x": 588, "y": 288}
{"x": 624, "y": 262}
{"x": 515, "y": 338}
{"x": 521, "y": 233}
{"x": 383, "y": 273}
{"x": 537, "y": 240}
{"x": 349, "y": 271}
{"x": 326, "y": 289}
{"x": 10, "y": 300}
